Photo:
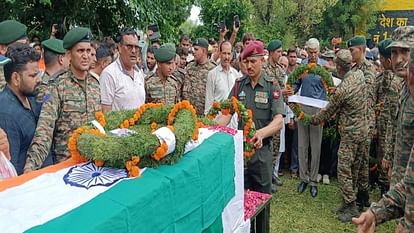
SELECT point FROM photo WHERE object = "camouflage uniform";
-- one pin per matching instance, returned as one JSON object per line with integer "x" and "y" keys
{"x": 404, "y": 140}
{"x": 158, "y": 91}
{"x": 2, "y": 79}
{"x": 353, "y": 128}
{"x": 387, "y": 101}
{"x": 398, "y": 202}
{"x": 276, "y": 73}
{"x": 180, "y": 74}
{"x": 69, "y": 104}
{"x": 369, "y": 76}
{"x": 194, "y": 86}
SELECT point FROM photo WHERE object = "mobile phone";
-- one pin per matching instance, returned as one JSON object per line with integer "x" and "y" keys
{"x": 222, "y": 26}
{"x": 155, "y": 31}
{"x": 236, "y": 21}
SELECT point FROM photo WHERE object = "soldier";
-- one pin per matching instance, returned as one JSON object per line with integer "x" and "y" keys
{"x": 398, "y": 201}
{"x": 257, "y": 92}
{"x": 403, "y": 39}
{"x": 388, "y": 89}
{"x": 273, "y": 69}
{"x": 162, "y": 86}
{"x": 72, "y": 101}
{"x": 194, "y": 86}
{"x": 11, "y": 31}
{"x": 357, "y": 46}
{"x": 55, "y": 61}
{"x": 346, "y": 102}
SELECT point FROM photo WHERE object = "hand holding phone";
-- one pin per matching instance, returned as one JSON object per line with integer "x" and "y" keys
{"x": 236, "y": 21}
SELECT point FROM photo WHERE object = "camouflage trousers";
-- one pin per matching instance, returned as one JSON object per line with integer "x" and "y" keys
{"x": 382, "y": 173}
{"x": 275, "y": 151}
{"x": 352, "y": 168}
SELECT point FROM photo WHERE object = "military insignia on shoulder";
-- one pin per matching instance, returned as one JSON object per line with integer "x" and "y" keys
{"x": 46, "y": 98}
{"x": 242, "y": 95}
{"x": 276, "y": 94}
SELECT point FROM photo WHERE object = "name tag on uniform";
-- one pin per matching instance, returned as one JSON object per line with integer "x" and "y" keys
{"x": 261, "y": 97}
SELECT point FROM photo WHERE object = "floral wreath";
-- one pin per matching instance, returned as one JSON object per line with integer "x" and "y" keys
{"x": 231, "y": 106}
{"x": 299, "y": 74}
{"x": 89, "y": 143}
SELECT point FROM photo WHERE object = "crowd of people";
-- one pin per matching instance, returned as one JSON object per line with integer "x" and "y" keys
{"x": 50, "y": 88}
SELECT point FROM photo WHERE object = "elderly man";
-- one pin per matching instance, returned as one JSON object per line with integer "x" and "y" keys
{"x": 346, "y": 102}
{"x": 122, "y": 82}
{"x": 311, "y": 87}
{"x": 257, "y": 92}
{"x": 220, "y": 80}
{"x": 194, "y": 86}
{"x": 399, "y": 200}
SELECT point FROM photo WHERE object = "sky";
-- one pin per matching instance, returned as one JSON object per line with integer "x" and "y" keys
{"x": 195, "y": 12}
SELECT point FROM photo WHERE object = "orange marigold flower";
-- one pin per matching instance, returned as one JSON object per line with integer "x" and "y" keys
{"x": 135, "y": 160}
{"x": 154, "y": 125}
{"x": 134, "y": 171}
{"x": 171, "y": 128}
{"x": 99, "y": 163}
{"x": 225, "y": 111}
{"x": 128, "y": 165}
{"x": 216, "y": 104}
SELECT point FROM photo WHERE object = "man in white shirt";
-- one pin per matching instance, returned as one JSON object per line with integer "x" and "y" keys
{"x": 122, "y": 82}
{"x": 221, "y": 79}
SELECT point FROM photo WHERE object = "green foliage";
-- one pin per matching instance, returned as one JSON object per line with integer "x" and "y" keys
{"x": 214, "y": 11}
{"x": 348, "y": 18}
{"x": 104, "y": 17}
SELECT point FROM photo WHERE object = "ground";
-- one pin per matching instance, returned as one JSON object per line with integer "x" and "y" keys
{"x": 292, "y": 212}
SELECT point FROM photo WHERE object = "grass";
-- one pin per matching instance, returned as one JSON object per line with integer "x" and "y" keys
{"x": 292, "y": 212}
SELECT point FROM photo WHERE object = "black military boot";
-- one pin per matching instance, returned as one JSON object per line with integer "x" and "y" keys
{"x": 362, "y": 200}
{"x": 339, "y": 209}
{"x": 350, "y": 211}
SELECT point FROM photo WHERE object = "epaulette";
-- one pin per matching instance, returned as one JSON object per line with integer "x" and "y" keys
{"x": 56, "y": 76}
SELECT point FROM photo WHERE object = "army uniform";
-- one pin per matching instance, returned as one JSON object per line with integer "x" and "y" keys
{"x": 194, "y": 86}
{"x": 370, "y": 78}
{"x": 162, "y": 91}
{"x": 353, "y": 129}
{"x": 398, "y": 201}
{"x": 387, "y": 102}
{"x": 266, "y": 101}
{"x": 69, "y": 104}
{"x": 2, "y": 79}
{"x": 180, "y": 74}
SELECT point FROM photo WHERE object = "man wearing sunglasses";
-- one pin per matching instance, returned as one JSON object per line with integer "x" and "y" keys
{"x": 122, "y": 82}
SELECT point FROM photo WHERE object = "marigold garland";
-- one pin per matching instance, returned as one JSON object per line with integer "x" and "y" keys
{"x": 231, "y": 106}
{"x": 184, "y": 105}
{"x": 72, "y": 142}
{"x": 100, "y": 117}
{"x": 299, "y": 74}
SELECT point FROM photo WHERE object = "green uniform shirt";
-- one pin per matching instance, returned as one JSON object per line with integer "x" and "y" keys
{"x": 66, "y": 107}
{"x": 2, "y": 79}
{"x": 159, "y": 91}
{"x": 265, "y": 99}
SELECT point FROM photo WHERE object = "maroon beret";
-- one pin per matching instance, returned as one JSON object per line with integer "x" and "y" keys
{"x": 255, "y": 48}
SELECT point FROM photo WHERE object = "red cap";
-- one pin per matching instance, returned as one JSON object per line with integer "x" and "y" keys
{"x": 255, "y": 48}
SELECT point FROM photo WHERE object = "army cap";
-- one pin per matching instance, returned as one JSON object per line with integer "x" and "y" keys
{"x": 356, "y": 41}
{"x": 343, "y": 56}
{"x": 403, "y": 37}
{"x": 11, "y": 31}
{"x": 384, "y": 49}
{"x": 201, "y": 42}
{"x": 273, "y": 45}
{"x": 253, "y": 49}
{"x": 328, "y": 54}
{"x": 54, "y": 45}
{"x": 165, "y": 53}
{"x": 76, "y": 35}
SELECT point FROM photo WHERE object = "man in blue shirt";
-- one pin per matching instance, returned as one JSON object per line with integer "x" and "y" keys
{"x": 311, "y": 86}
{"x": 20, "y": 111}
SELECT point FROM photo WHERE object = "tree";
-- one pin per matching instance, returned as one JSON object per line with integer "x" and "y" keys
{"x": 348, "y": 18}
{"x": 214, "y": 11}
{"x": 104, "y": 17}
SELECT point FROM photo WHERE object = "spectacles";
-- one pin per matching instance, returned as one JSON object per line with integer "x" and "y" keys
{"x": 130, "y": 47}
